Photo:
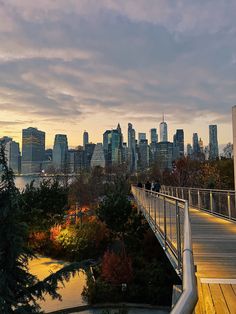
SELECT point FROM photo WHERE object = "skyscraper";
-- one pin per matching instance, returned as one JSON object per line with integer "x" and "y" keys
{"x": 196, "y": 148}
{"x": 85, "y": 138}
{"x": 153, "y": 136}
{"x": 178, "y": 143}
{"x": 88, "y": 153}
{"x": 132, "y": 149}
{"x": 12, "y": 151}
{"x": 213, "y": 143}
{"x": 163, "y": 131}
{"x": 143, "y": 154}
{"x": 98, "y": 158}
{"x": 33, "y": 150}
{"x": 189, "y": 150}
{"x": 165, "y": 155}
{"x": 60, "y": 153}
{"x": 141, "y": 136}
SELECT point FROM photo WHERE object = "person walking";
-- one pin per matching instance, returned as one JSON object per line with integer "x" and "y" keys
{"x": 148, "y": 185}
{"x": 157, "y": 186}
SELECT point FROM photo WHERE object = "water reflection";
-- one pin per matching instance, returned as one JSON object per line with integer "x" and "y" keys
{"x": 70, "y": 292}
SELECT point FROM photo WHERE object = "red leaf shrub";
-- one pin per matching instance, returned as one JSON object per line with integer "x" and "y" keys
{"x": 117, "y": 269}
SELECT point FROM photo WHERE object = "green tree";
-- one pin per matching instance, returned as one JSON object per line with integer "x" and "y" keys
{"x": 20, "y": 290}
{"x": 43, "y": 206}
{"x": 115, "y": 209}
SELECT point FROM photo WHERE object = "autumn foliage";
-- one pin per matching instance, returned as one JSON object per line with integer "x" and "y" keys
{"x": 117, "y": 269}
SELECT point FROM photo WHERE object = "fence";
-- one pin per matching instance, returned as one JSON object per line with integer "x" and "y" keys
{"x": 168, "y": 217}
{"x": 219, "y": 202}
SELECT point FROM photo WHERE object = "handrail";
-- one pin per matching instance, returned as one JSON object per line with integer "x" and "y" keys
{"x": 189, "y": 297}
{"x": 201, "y": 189}
{"x": 218, "y": 202}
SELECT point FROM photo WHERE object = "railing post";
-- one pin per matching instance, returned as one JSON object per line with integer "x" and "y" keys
{"x": 189, "y": 197}
{"x": 211, "y": 201}
{"x": 229, "y": 206}
{"x": 155, "y": 211}
{"x": 182, "y": 193}
{"x": 198, "y": 199}
{"x": 165, "y": 237}
{"x": 149, "y": 205}
{"x": 178, "y": 236}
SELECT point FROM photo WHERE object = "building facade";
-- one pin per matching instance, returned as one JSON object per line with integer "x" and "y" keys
{"x": 98, "y": 158}
{"x": 163, "y": 132}
{"x": 60, "y": 153}
{"x": 213, "y": 143}
{"x": 12, "y": 152}
{"x": 33, "y": 150}
{"x": 85, "y": 138}
{"x": 153, "y": 136}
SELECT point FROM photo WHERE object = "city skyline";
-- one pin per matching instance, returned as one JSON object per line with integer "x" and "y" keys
{"x": 67, "y": 67}
{"x": 50, "y": 143}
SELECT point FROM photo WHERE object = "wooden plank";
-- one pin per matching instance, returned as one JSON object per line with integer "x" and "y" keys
{"x": 234, "y": 288}
{"x": 218, "y": 299}
{"x": 208, "y": 303}
{"x": 200, "y": 304}
{"x": 230, "y": 297}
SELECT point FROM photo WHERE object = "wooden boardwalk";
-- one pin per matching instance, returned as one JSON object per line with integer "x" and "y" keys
{"x": 214, "y": 247}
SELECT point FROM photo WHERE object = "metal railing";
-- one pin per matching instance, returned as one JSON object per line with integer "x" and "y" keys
{"x": 168, "y": 217}
{"x": 218, "y": 202}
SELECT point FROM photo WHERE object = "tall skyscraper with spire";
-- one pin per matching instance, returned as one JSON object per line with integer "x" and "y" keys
{"x": 132, "y": 149}
{"x": 163, "y": 131}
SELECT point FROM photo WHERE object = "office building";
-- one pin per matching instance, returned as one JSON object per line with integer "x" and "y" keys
{"x": 141, "y": 136}
{"x": 12, "y": 152}
{"x": 88, "y": 153}
{"x": 132, "y": 149}
{"x": 153, "y": 136}
{"x": 196, "y": 147}
{"x": 213, "y": 143}
{"x": 164, "y": 155}
{"x": 201, "y": 146}
{"x": 143, "y": 154}
{"x": 85, "y": 138}
{"x": 189, "y": 150}
{"x": 98, "y": 158}
{"x": 60, "y": 153}
{"x": 33, "y": 150}
{"x": 5, "y": 139}
{"x": 163, "y": 131}
{"x": 178, "y": 143}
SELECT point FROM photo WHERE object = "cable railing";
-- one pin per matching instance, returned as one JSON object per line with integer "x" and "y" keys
{"x": 168, "y": 217}
{"x": 218, "y": 202}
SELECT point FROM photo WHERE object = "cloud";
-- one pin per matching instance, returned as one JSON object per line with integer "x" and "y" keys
{"x": 70, "y": 60}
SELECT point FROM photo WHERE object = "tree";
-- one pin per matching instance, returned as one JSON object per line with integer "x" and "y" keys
{"x": 20, "y": 290}
{"x": 117, "y": 269}
{"x": 44, "y": 206}
{"x": 115, "y": 209}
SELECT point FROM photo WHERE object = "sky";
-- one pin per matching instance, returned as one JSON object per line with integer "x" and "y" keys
{"x": 75, "y": 65}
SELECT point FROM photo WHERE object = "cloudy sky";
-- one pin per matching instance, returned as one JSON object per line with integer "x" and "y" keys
{"x": 71, "y": 65}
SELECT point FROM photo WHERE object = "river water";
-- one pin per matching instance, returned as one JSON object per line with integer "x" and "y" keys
{"x": 22, "y": 181}
{"x": 71, "y": 291}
